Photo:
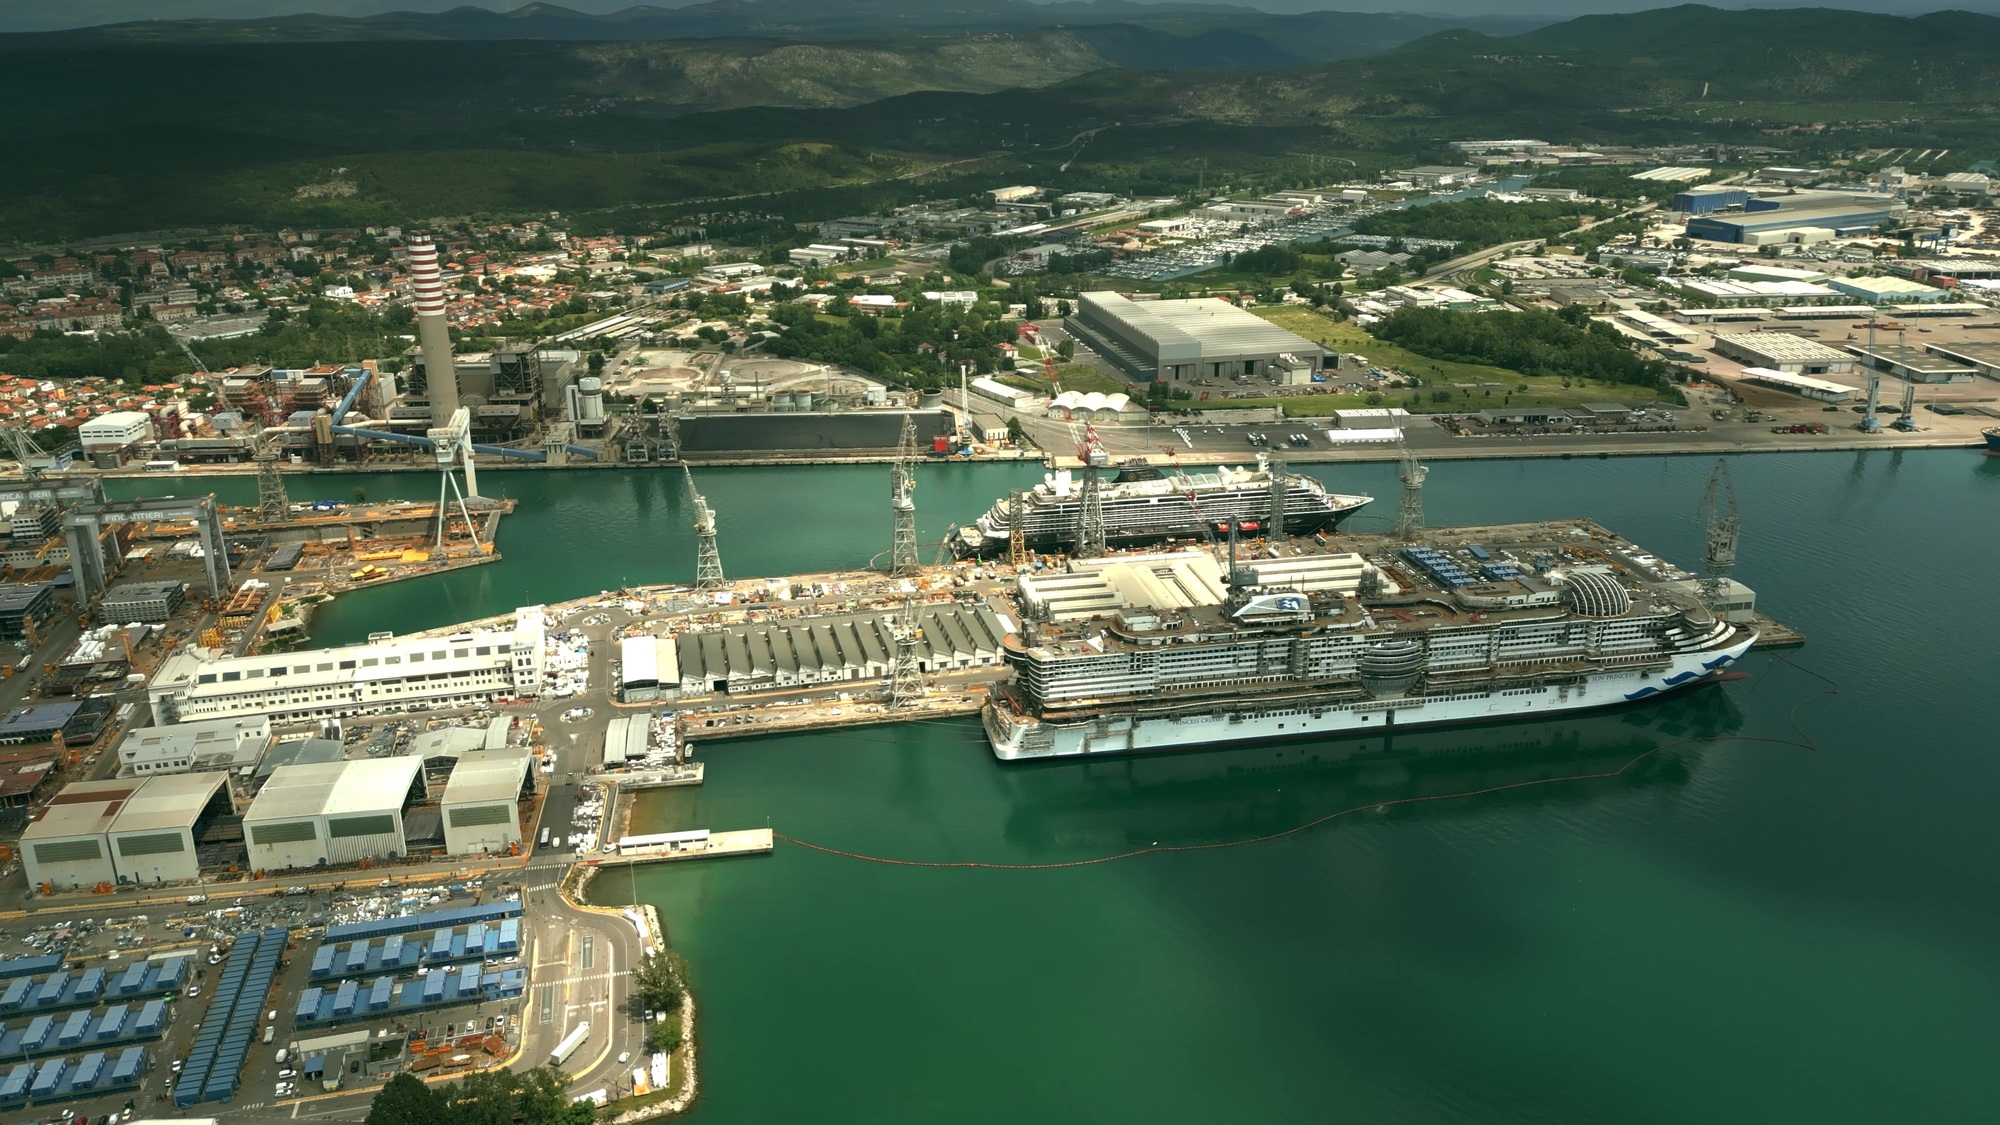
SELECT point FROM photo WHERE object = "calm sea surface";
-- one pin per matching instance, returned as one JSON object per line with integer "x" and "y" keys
{"x": 1747, "y": 925}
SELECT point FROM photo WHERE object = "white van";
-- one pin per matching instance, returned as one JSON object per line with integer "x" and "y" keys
{"x": 270, "y": 1032}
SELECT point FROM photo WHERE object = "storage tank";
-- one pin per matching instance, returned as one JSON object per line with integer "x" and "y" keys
{"x": 802, "y": 400}
{"x": 930, "y": 400}
{"x": 782, "y": 400}
{"x": 590, "y": 399}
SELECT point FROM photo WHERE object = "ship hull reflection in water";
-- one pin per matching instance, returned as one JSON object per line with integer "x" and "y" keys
{"x": 1209, "y": 796}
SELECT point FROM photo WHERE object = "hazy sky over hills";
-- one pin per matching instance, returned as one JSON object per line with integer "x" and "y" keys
{"x": 47, "y": 15}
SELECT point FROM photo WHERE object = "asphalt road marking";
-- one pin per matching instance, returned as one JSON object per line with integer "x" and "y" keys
{"x": 589, "y": 952}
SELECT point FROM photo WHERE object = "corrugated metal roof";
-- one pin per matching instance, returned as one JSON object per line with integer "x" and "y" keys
{"x": 1211, "y": 326}
{"x": 485, "y": 776}
{"x": 335, "y": 788}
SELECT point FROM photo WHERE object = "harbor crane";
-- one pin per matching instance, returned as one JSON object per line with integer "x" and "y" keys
{"x": 1090, "y": 505}
{"x": 708, "y": 559}
{"x": 1721, "y": 524}
{"x": 23, "y": 449}
{"x": 1871, "y": 421}
{"x": 1410, "y": 512}
{"x": 903, "y": 561}
{"x": 451, "y": 444}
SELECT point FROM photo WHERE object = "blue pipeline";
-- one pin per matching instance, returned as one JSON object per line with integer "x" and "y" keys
{"x": 354, "y": 392}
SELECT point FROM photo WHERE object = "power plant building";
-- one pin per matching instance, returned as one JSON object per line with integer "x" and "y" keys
{"x": 139, "y": 830}
{"x": 1185, "y": 342}
{"x": 412, "y": 673}
{"x": 482, "y": 801}
{"x": 332, "y": 813}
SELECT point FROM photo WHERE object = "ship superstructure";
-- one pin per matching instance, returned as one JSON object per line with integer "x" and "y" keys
{"x": 1156, "y": 652}
{"x": 1143, "y": 504}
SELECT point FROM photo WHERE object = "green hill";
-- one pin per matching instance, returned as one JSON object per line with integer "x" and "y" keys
{"x": 124, "y": 138}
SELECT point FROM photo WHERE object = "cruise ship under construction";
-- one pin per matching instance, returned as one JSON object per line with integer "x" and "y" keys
{"x": 1149, "y": 652}
{"x": 1142, "y": 504}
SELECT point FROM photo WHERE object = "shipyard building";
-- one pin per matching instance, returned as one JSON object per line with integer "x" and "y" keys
{"x": 1798, "y": 217}
{"x": 482, "y": 801}
{"x": 333, "y": 813}
{"x": 217, "y": 744}
{"x": 1185, "y": 342}
{"x": 140, "y": 830}
{"x": 1780, "y": 351}
{"x": 414, "y": 673}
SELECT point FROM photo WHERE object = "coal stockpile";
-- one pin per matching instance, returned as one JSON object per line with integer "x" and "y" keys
{"x": 861, "y": 430}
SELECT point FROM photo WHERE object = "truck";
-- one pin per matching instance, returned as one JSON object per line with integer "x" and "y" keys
{"x": 570, "y": 1043}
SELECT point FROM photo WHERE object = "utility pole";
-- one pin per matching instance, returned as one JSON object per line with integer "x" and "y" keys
{"x": 707, "y": 559}
{"x": 903, "y": 561}
{"x": 1720, "y": 520}
{"x": 906, "y": 680}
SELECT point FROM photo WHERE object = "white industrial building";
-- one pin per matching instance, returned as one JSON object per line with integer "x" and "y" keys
{"x": 410, "y": 674}
{"x": 217, "y": 744}
{"x": 1781, "y": 351}
{"x": 1205, "y": 342}
{"x": 640, "y": 660}
{"x": 482, "y": 801}
{"x": 332, "y": 813}
{"x": 116, "y": 430}
{"x": 139, "y": 830}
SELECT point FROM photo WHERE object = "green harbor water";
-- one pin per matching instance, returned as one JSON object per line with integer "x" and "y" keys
{"x": 1744, "y": 925}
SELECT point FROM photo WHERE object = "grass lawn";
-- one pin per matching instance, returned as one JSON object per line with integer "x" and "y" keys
{"x": 1347, "y": 337}
{"x": 1079, "y": 377}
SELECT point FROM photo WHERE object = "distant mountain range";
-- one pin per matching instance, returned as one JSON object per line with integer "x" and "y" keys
{"x": 51, "y": 15}
{"x": 1291, "y": 38}
{"x": 127, "y": 133}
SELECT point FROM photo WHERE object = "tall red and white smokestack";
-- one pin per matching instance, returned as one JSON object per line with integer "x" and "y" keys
{"x": 433, "y": 332}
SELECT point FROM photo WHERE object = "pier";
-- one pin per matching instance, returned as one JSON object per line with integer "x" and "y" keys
{"x": 697, "y": 844}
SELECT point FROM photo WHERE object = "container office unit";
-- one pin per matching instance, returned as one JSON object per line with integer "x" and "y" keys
{"x": 30, "y": 966}
{"x": 431, "y": 920}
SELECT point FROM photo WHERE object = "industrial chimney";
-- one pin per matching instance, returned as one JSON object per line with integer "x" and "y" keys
{"x": 433, "y": 334}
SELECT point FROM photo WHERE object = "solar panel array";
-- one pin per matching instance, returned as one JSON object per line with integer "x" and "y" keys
{"x": 214, "y": 1064}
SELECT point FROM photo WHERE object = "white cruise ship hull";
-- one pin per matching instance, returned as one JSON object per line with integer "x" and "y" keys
{"x": 1015, "y": 737}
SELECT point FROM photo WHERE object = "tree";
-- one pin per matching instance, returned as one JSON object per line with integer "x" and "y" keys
{"x": 663, "y": 1035}
{"x": 1066, "y": 349}
{"x": 404, "y": 1100}
{"x": 659, "y": 982}
{"x": 595, "y": 363}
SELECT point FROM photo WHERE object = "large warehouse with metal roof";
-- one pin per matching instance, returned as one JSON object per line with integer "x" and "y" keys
{"x": 482, "y": 801}
{"x": 332, "y": 813}
{"x": 1189, "y": 341}
{"x": 831, "y": 649}
{"x": 135, "y": 830}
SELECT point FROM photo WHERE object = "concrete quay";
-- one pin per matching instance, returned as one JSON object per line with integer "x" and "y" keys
{"x": 720, "y": 845}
